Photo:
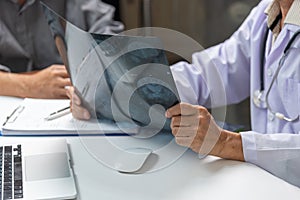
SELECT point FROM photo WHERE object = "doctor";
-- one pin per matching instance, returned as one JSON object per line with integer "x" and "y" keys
{"x": 260, "y": 60}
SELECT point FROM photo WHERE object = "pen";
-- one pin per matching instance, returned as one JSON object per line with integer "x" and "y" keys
{"x": 59, "y": 113}
{"x": 18, "y": 110}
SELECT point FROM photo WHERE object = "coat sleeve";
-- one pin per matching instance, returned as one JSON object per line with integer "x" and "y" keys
{"x": 219, "y": 75}
{"x": 228, "y": 64}
{"x": 279, "y": 154}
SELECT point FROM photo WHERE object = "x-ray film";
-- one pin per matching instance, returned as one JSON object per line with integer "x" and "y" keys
{"x": 117, "y": 77}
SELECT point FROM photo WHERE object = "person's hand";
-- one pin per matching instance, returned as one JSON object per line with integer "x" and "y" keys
{"x": 48, "y": 83}
{"x": 191, "y": 124}
{"x": 77, "y": 110}
{"x": 194, "y": 127}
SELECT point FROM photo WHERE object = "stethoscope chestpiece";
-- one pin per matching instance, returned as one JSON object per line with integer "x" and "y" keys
{"x": 258, "y": 99}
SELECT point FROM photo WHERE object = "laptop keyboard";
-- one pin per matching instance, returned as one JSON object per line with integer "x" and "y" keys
{"x": 11, "y": 181}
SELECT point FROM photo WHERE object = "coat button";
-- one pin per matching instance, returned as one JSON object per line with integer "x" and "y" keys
{"x": 270, "y": 72}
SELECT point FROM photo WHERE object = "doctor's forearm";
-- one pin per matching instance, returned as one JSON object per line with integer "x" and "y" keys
{"x": 229, "y": 146}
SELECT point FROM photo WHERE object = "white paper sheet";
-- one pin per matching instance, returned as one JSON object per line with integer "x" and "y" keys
{"x": 29, "y": 119}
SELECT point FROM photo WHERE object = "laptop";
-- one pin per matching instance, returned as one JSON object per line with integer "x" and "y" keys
{"x": 36, "y": 170}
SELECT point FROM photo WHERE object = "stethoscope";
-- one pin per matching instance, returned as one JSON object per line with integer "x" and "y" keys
{"x": 258, "y": 99}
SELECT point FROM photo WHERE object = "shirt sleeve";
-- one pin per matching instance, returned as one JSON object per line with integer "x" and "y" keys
{"x": 94, "y": 16}
{"x": 279, "y": 154}
{"x": 4, "y": 68}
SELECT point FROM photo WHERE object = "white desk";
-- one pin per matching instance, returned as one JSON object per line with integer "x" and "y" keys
{"x": 187, "y": 178}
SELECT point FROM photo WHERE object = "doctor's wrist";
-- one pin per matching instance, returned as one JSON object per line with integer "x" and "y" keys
{"x": 229, "y": 146}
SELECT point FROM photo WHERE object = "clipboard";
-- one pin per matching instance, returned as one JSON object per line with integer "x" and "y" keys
{"x": 28, "y": 119}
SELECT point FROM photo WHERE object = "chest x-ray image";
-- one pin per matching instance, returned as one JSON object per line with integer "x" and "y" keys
{"x": 117, "y": 77}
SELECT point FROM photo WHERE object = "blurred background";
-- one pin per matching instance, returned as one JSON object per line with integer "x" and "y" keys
{"x": 207, "y": 21}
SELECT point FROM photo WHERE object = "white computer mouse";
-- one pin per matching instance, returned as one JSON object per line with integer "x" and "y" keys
{"x": 132, "y": 160}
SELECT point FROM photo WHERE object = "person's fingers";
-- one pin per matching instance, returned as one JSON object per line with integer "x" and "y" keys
{"x": 76, "y": 99}
{"x": 184, "y": 141}
{"x": 176, "y": 122}
{"x": 181, "y": 109}
{"x": 59, "y": 67}
{"x": 73, "y": 96}
{"x": 61, "y": 93}
{"x": 173, "y": 111}
{"x": 69, "y": 91}
{"x": 80, "y": 113}
{"x": 62, "y": 73}
{"x": 65, "y": 74}
{"x": 65, "y": 82}
{"x": 185, "y": 131}
{"x": 185, "y": 121}
{"x": 62, "y": 82}
{"x": 59, "y": 70}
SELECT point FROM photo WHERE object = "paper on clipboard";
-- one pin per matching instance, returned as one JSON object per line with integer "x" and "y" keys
{"x": 29, "y": 119}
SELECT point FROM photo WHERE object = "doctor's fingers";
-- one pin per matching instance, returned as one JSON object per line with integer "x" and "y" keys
{"x": 185, "y": 121}
{"x": 182, "y": 109}
{"x": 70, "y": 91}
{"x": 185, "y": 131}
{"x": 184, "y": 141}
{"x": 79, "y": 112}
{"x": 73, "y": 96}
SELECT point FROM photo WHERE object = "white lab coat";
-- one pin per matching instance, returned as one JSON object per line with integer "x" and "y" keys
{"x": 273, "y": 144}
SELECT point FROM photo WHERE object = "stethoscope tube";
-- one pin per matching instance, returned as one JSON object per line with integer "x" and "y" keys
{"x": 258, "y": 95}
{"x": 278, "y": 114}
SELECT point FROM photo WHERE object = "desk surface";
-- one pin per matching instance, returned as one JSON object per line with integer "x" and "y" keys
{"x": 186, "y": 178}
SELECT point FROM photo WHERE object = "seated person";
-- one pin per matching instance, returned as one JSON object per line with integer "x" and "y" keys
{"x": 30, "y": 65}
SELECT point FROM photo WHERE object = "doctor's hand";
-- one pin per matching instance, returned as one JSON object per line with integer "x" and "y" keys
{"x": 194, "y": 127}
{"x": 77, "y": 110}
{"x": 48, "y": 83}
